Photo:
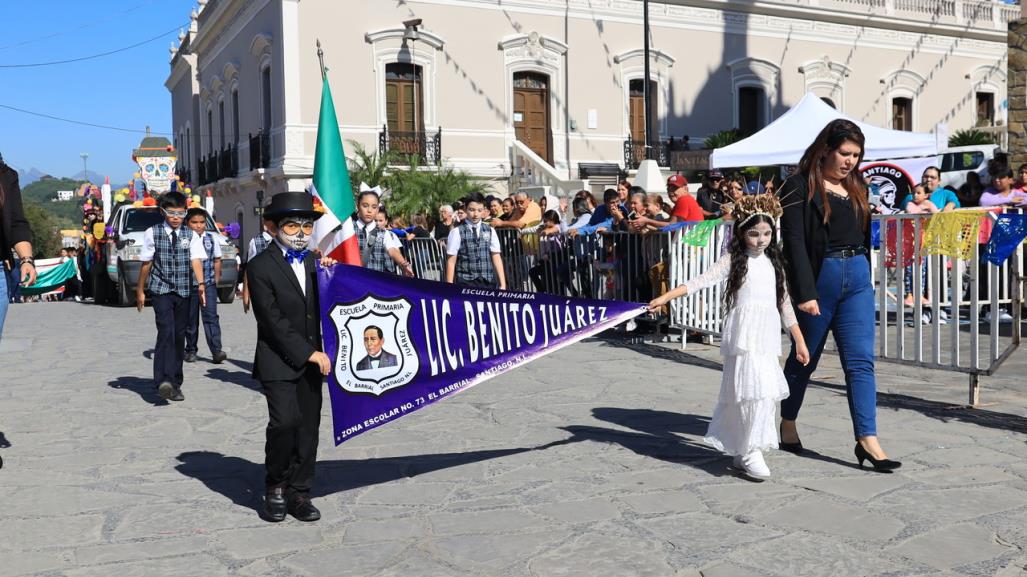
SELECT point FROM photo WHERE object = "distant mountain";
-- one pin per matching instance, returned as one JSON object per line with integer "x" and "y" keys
{"x": 93, "y": 177}
{"x": 26, "y": 177}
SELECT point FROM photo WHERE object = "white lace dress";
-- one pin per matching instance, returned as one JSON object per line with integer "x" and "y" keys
{"x": 745, "y": 418}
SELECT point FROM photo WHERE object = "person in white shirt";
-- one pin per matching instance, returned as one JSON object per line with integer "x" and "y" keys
{"x": 380, "y": 249}
{"x": 172, "y": 257}
{"x": 473, "y": 249}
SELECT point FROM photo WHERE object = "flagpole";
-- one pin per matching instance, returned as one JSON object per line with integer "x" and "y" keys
{"x": 321, "y": 59}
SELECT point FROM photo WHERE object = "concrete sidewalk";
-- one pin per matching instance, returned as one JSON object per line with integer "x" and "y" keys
{"x": 585, "y": 463}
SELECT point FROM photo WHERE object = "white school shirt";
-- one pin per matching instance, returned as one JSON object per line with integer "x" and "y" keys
{"x": 196, "y": 251}
{"x": 391, "y": 240}
{"x": 251, "y": 249}
{"x": 453, "y": 240}
{"x": 297, "y": 267}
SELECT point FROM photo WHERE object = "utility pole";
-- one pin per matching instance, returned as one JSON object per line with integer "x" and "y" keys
{"x": 85, "y": 166}
{"x": 647, "y": 97}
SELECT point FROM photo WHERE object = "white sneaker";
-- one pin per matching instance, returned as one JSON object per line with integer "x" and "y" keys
{"x": 752, "y": 465}
{"x": 1003, "y": 317}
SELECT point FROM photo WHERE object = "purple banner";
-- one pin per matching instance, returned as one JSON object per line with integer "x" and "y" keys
{"x": 399, "y": 344}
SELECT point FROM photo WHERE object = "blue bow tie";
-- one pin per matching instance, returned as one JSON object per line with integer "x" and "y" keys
{"x": 293, "y": 255}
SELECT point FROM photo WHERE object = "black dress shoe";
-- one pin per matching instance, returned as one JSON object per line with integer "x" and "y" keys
{"x": 190, "y": 357}
{"x": 219, "y": 357}
{"x": 301, "y": 508}
{"x": 880, "y": 465}
{"x": 177, "y": 395}
{"x": 166, "y": 390}
{"x": 274, "y": 505}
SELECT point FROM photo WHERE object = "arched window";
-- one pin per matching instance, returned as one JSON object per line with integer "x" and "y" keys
{"x": 221, "y": 123}
{"x": 902, "y": 113}
{"x": 265, "y": 99}
{"x": 752, "y": 106}
{"x": 235, "y": 116}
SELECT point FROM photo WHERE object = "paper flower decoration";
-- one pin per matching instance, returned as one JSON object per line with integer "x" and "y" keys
{"x": 149, "y": 201}
{"x": 232, "y": 229}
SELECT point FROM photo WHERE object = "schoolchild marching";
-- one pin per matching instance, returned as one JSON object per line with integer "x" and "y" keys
{"x": 196, "y": 219}
{"x": 757, "y": 302}
{"x": 172, "y": 258}
{"x": 473, "y": 250}
{"x": 380, "y": 248}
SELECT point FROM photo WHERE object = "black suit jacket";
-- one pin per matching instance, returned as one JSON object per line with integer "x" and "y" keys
{"x": 288, "y": 323}
{"x": 15, "y": 227}
{"x": 387, "y": 360}
{"x": 805, "y": 237}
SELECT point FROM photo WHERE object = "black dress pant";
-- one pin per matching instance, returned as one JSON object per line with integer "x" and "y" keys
{"x": 171, "y": 312}
{"x": 294, "y": 411}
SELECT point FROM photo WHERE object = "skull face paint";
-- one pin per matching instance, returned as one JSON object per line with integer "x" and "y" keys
{"x": 295, "y": 233}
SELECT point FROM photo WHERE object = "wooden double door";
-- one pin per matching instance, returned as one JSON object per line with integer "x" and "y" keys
{"x": 531, "y": 112}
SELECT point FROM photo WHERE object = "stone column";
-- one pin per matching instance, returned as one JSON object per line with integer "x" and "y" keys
{"x": 1016, "y": 91}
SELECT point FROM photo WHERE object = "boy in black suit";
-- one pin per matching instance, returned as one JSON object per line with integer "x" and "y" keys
{"x": 289, "y": 362}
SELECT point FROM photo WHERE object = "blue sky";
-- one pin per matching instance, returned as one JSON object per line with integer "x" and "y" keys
{"x": 122, "y": 90}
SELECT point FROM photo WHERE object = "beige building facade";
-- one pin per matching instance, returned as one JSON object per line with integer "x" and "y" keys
{"x": 535, "y": 93}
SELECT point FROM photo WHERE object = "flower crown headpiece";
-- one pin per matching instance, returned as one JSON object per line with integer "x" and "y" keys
{"x": 751, "y": 206}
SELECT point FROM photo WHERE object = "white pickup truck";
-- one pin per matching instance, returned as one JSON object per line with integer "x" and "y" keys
{"x": 116, "y": 282}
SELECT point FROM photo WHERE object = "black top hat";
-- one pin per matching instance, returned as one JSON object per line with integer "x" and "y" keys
{"x": 295, "y": 204}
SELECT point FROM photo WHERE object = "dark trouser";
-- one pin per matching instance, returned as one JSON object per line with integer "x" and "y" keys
{"x": 211, "y": 324}
{"x": 478, "y": 282}
{"x": 846, "y": 300}
{"x": 294, "y": 411}
{"x": 171, "y": 311}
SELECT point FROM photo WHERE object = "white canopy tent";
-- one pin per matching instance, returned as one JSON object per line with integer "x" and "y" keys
{"x": 784, "y": 140}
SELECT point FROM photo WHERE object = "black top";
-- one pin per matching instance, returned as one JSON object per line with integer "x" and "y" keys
{"x": 14, "y": 227}
{"x": 805, "y": 237}
{"x": 441, "y": 230}
{"x": 843, "y": 229}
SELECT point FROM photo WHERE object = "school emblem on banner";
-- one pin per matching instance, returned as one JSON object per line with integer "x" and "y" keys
{"x": 376, "y": 353}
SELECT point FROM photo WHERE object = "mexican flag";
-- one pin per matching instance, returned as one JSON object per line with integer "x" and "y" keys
{"x": 333, "y": 233}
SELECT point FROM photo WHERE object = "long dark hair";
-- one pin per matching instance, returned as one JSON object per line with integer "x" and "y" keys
{"x": 836, "y": 133}
{"x": 740, "y": 261}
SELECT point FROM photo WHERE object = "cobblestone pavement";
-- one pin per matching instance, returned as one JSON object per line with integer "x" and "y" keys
{"x": 585, "y": 463}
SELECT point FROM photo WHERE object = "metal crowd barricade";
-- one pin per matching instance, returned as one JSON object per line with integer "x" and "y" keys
{"x": 427, "y": 257}
{"x": 700, "y": 312}
{"x": 951, "y": 331}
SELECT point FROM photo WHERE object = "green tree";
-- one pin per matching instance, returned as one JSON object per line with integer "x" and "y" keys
{"x": 369, "y": 167}
{"x": 46, "y": 234}
{"x": 722, "y": 139}
{"x": 970, "y": 137}
{"x": 416, "y": 190}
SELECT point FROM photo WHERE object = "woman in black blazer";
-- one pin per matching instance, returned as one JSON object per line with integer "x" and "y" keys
{"x": 826, "y": 232}
{"x": 14, "y": 234}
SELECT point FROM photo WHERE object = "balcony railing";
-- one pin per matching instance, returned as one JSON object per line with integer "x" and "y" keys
{"x": 423, "y": 146}
{"x": 228, "y": 162}
{"x": 634, "y": 153}
{"x": 260, "y": 150}
{"x": 186, "y": 175}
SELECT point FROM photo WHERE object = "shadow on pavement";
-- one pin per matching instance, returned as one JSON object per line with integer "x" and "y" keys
{"x": 142, "y": 387}
{"x": 148, "y": 353}
{"x": 944, "y": 412}
{"x": 659, "y": 436}
{"x": 244, "y": 365}
{"x": 235, "y": 377}
{"x": 4, "y": 443}
{"x": 220, "y": 473}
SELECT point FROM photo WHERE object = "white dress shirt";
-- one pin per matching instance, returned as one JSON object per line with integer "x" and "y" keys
{"x": 298, "y": 268}
{"x": 196, "y": 251}
{"x": 453, "y": 240}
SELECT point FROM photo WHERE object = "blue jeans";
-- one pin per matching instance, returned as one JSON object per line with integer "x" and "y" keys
{"x": 211, "y": 323}
{"x": 847, "y": 310}
{"x": 4, "y": 298}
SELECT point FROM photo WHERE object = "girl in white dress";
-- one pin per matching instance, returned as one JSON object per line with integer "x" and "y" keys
{"x": 757, "y": 303}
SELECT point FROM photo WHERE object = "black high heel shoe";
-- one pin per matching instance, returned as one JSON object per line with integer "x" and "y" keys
{"x": 880, "y": 465}
{"x": 794, "y": 448}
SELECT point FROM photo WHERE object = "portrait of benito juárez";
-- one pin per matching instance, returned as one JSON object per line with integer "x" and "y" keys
{"x": 377, "y": 358}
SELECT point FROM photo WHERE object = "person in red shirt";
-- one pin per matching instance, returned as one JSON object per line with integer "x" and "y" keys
{"x": 686, "y": 208}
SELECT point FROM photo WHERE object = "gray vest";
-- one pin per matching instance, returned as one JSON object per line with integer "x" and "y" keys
{"x": 473, "y": 260}
{"x": 171, "y": 271}
{"x": 372, "y": 250}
